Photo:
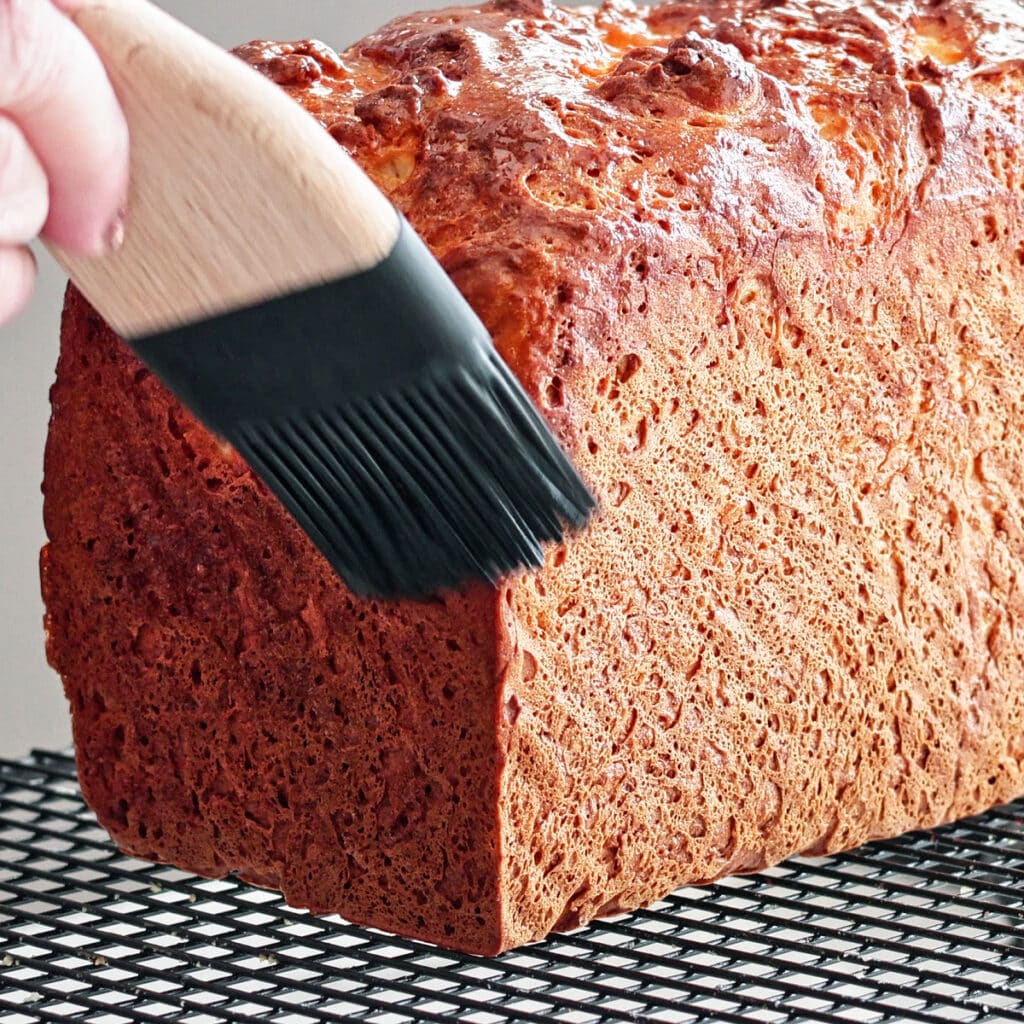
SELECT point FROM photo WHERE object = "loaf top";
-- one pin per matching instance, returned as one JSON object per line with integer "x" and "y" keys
{"x": 519, "y": 132}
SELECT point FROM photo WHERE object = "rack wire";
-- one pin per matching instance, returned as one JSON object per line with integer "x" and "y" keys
{"x": 929, "y": 927}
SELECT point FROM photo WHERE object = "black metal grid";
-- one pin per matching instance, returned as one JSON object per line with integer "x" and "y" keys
{"x": 929, "y": 927}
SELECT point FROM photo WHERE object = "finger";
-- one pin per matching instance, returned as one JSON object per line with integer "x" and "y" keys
{"x": 17, "y": 276}
{"x": 24, "y": 191}
{"x": 55, "y": 88}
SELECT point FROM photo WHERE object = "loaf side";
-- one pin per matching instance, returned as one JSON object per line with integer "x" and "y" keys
{"x": 235, "y": 709}
{"x": 791, "y": 359}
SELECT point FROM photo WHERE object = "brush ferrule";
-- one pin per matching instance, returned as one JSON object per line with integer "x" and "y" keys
{"x": 387, "y": 328}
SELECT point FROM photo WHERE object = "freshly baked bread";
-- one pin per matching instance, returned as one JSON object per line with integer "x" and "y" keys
{"x": 761, "y": 264}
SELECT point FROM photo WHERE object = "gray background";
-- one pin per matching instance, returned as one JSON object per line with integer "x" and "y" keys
{"x": 32, "y": 707}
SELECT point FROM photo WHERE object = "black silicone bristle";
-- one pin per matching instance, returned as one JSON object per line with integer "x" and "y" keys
{"x": 405, "y": 502}
{"x": 378, "y": 412}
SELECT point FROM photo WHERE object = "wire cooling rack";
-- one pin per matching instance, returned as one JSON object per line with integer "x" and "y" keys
{"x": 925, "y": 928}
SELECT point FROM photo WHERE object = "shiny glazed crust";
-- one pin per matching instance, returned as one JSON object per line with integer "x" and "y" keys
{"x": 762, "y": 267}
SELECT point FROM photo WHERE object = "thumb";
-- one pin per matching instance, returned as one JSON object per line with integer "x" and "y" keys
{"x": 54, "y": 87}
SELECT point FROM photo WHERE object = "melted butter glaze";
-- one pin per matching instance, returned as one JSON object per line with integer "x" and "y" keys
{"x": 718, "y": 121}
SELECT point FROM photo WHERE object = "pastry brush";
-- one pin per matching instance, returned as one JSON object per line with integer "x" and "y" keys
{"x": 283, "y": 299}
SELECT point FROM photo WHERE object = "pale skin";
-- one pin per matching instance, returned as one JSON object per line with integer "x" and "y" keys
{"x": 63, "y": 144}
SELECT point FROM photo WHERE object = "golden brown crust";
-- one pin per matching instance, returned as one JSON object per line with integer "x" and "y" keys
{"x": 761, "y": 264}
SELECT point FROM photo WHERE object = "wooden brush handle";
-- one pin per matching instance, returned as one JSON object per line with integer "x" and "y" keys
{"x": 236, "y": 194}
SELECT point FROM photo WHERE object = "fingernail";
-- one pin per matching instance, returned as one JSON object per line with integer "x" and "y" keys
{"x": 114, "y": 238}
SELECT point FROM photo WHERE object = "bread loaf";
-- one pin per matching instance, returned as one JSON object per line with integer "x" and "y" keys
{"x": 761, "y": 264}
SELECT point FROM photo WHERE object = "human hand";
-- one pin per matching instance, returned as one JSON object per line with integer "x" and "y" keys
{"x": 63, "y": 144}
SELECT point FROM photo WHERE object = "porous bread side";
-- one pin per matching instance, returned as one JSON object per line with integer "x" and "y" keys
{"x": 234, "y": 708}
{"x": 792, "y": 359}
